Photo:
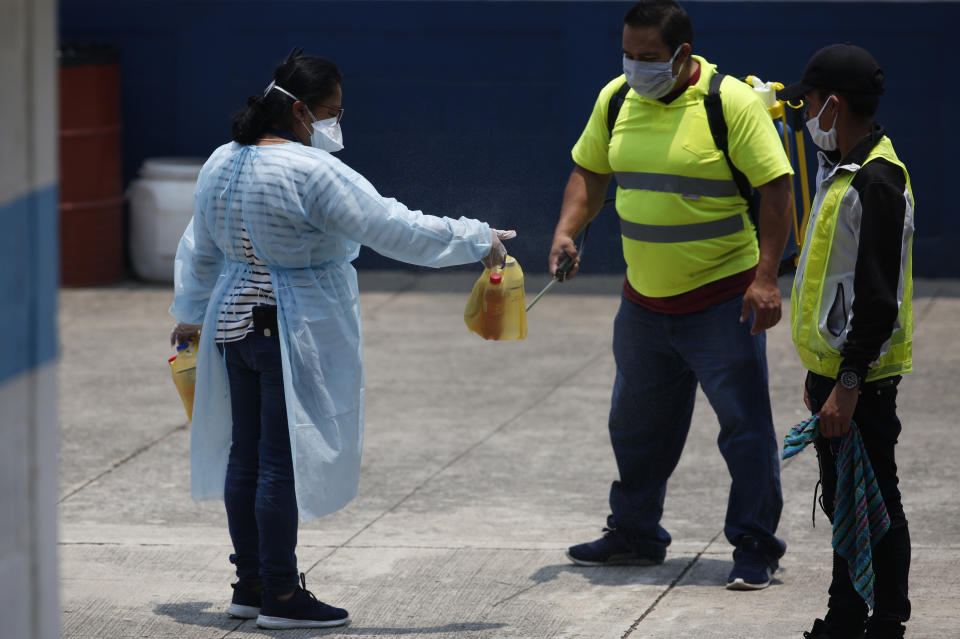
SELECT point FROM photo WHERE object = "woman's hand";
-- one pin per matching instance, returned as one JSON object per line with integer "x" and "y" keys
{"x": 498, "y": 252}
{"x": 183, "y": 333}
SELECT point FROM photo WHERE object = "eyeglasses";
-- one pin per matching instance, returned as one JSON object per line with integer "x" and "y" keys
{"x": 338, "y": 109}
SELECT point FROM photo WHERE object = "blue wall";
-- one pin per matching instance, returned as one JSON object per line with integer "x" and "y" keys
{"x": 471, "y": 108}
{"x": 29, "y": 278}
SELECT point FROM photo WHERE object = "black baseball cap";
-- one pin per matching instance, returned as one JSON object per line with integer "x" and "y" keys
{"x": 841, "y": 67}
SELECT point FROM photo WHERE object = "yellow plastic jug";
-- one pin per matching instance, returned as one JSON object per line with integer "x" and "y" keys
{"x": 183, "y": 367}
{"x": 496, "y": 309}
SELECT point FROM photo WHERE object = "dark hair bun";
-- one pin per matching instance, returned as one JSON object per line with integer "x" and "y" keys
{"x": 311, "y": 79}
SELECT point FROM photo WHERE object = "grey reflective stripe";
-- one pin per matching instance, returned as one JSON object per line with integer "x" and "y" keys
{"x": 681, "y": 232}
{"x": 679, "y": 184}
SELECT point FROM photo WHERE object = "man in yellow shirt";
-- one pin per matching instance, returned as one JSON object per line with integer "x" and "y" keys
{"x": 698, "y": 294}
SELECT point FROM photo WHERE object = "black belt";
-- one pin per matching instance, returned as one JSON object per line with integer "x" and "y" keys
{"x": 883, "y": 383}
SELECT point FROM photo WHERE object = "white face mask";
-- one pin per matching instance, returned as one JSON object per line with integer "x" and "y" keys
{"x": 651, "y": 79}
{"x": 326, "y": 134}
{"x": 826, "y": 140}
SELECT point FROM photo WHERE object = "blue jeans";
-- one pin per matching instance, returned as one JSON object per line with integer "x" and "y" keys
{"x": 259, "y": 491}
{"x": 660, "y": 359}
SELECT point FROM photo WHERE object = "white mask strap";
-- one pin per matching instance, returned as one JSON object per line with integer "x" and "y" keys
{"x": 273, "y": 85}
{"x": 675, "y": 54}
{"x": 826, "y": 103}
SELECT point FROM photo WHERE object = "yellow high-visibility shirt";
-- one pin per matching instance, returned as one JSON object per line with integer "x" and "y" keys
{"x": 683, "y": 222}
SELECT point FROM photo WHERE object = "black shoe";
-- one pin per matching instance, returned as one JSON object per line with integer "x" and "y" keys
{"x": 884, "y": 629}
{"x": 821, "y": 630}
{"x": 302, "y": 610}
{"x": 246, "y": 601}
{"x": 611, "y": 550}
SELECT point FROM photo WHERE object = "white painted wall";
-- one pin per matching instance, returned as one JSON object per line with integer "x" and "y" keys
{"x": 28, "y": 526}
{"x": 28, "y": 109}
{"x": 28, "y": 397}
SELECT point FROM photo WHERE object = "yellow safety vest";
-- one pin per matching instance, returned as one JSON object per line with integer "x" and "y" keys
{"x": 683, "y": 222}
{"x": 810, "y": 302}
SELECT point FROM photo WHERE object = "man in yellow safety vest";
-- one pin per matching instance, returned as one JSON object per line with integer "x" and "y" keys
{"x": 852, "y": 320}
{"x": 699, "y": 291}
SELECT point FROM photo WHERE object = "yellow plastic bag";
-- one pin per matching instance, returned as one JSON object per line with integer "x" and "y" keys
{"x": 497, "y": 306}
{"x": 183, "y": 367}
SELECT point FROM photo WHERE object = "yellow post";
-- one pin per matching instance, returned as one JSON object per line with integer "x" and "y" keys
{"x": 793, "y": 196}
{"x": 804, "y": 181}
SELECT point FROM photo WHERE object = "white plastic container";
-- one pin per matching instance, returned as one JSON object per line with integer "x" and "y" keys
{"x": 161, "y": 205}
{"x": 766, "y": 90}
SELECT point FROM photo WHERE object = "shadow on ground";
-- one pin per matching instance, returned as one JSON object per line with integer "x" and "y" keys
{"x": 709, "y": 572}
{"x": 198, "y": 613}
{"x": 660, "y": 575}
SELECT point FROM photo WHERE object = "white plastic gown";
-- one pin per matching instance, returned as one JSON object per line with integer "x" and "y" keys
{"x": 307, "y": 214}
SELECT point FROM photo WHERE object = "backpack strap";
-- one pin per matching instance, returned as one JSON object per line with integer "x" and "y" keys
{"x": 718, "y": 129}
{"x": 613, "y": 109}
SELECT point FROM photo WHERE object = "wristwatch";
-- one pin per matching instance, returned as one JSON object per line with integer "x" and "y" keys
{"x": 849, "y": 379}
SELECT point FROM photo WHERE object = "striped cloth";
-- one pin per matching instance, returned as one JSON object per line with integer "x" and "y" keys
{"x": 860, "y": 517}
{"x": 236, "y": 316}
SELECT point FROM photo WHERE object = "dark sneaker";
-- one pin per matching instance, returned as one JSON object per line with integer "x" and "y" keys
{"x": 822, "y": 630}
{"x": 884, "y": 629}
{"x": 610, "y": 550}
{"x": 819, "y": 631}
{"x": 302, "y": 610}
{"x": 245, "y": 603}
{"x": 751, "y": 569}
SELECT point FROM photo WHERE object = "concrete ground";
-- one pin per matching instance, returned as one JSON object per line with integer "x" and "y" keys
{"x": 483, "y": 462}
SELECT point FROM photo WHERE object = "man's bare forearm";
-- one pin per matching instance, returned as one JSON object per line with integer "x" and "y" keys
{"x": 582, "y": 200}
{"x": 776, "y": 207}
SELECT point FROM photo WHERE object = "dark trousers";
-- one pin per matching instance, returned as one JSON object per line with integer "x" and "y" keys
{"x": 259, "y": 492}
{"x": 876, "y": 417}
{"x": 660, "y": 360}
